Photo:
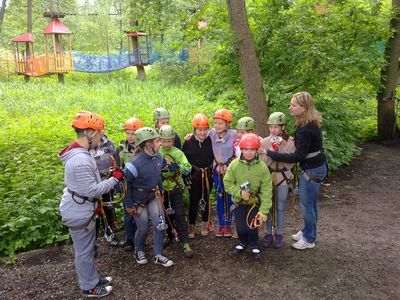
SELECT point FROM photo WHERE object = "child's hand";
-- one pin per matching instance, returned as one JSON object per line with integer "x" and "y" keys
{"x": 188, "y": 136}
{"x": 245, "y": 195}
{"x": 262, "y": 217}
{"x": 275, "y": 146}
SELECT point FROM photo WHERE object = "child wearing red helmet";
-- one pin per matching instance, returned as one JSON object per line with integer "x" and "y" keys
{"x": 248, "y": 180}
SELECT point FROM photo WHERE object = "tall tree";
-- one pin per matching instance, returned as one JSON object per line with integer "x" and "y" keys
{"x": 249, "y": 65}
{"x": 389, "y": 78}
{"x": 2, "y": 11}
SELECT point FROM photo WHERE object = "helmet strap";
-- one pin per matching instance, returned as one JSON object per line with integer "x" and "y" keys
{"x": 90, "y": 137}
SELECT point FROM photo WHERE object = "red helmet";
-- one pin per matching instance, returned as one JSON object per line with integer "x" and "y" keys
{"x": 223, "y": 114}
{"x": 133, "y": 124}
{"x": 200, "y": 121}
{"x": 87, "y": 119}
{"x": 249, "y": 141}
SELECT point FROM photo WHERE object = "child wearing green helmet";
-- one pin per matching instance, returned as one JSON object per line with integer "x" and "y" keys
{"x": 161, "y": 117}
{"x": 143, "y": 199}
{"x": 281, "y": 173}
{"x": 175, "y": 165}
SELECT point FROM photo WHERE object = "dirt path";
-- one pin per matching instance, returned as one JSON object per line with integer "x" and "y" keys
{"x": 357, "y": 255}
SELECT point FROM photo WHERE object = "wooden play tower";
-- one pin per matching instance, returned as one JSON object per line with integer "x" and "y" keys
{"x": 57, "y": 58}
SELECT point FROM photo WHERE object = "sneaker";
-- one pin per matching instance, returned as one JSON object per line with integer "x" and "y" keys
{"x": 111, "y": 240}
{"x": 278, "y": 241}
{"x": 97, "y": 292}
{"x": 256, "y": 253}
{"x": 140, "y": 258}
{"x": 239, "y": 249}
{"x": 188, "y": 250}
{"x": 220, "y": 231}
{"x": 191, "y": 231}
{"x": 302, "y": 244}
{"x": 228, "y": 231}
{"x": 297, "y": 236}
{"x": 104, "y": 281}
{"x": 204, "y": 229}
{"x": 267, "y": 240}
{"x": 128, "y": 245}
{"x": 162, "y": 260}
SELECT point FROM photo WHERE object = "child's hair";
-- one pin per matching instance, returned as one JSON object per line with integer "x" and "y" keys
{"x": 311, "y": 114}
{"x": 285, "y": 135}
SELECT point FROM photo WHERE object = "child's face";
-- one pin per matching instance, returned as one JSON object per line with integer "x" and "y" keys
{"x": 96, "y": 138}
{"x": 220, "y": 125}
{"x": 201, "y": 133}
{"x": 130, "y": 136}
{"x": 162, "y": 122}
{"x": 166, "y": 144}
{"x": 275, "y": 130}
{"x": 241, "y": 132}
{"x": 249, "y": 154}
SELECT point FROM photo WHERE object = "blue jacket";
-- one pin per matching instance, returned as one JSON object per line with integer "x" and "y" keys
{"x": 143, "y": 175}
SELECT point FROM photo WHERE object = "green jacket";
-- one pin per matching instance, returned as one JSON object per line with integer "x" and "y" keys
{"x": 175, "y": 159}
{"x": 256, "y": 172}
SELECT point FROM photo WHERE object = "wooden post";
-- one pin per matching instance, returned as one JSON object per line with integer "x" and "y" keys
{"x": 141, "y": 73}
{"x": 56, "y": 41}
{"x": 29, "y": 30}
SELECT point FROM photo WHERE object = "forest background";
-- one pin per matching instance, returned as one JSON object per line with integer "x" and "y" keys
{"x": 333, "y": 49}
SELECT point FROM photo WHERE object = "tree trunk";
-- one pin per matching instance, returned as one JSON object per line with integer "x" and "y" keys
{"x": 141, "y": 74}
{"x": 389, "y": 76}
{"x": 29, "y": 29}
{"x": 2, "y": 11}
{"x": 249, "y": 65}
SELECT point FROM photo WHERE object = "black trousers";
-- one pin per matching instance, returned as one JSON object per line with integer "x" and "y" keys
{"x": 196, "y": 192}
{"x": 178, "y": 219}
{"x": 247, "y": 236}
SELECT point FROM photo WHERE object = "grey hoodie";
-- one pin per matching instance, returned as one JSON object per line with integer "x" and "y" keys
{"x": 82, "y": 177}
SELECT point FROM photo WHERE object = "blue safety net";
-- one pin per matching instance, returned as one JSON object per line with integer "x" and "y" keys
{"x": 100, "y": 63}
{"x": 113, "y": 62}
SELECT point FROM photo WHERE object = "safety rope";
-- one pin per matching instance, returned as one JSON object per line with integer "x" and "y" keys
{"x": 255, "y": 222}
{"x": 294, "y": 199}
{"x": 174, "y": 232}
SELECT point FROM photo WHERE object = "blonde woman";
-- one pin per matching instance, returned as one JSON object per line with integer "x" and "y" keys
{"x": 309, "y": 153}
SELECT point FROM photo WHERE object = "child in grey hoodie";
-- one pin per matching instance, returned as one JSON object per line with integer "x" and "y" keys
{"x": 78, "y": 204}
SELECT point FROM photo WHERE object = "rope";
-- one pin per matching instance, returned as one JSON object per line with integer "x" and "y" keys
{"x": 174, "y": 232}
{"x": 255, "y": 222}
{"x": 294, "y": 198}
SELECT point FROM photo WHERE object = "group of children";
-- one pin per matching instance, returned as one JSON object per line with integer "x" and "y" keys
{"x": 250, "y": 187}
{"x": 233, "y": 160}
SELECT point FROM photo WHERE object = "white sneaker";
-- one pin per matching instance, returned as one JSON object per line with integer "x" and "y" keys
{"x": 296, "y": 237}
{"x": 302, "y": 244}
{"x": 162, "y": 260}
{"x": 140, "y": 258}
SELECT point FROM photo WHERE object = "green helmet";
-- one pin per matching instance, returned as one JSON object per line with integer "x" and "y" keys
{"x": 160, "y": 113}
{"x": 167, "y": 133}
{"x": 245, "y": 123}
{"x": 277, "y": 118}
{"x": 144, "y": 134}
